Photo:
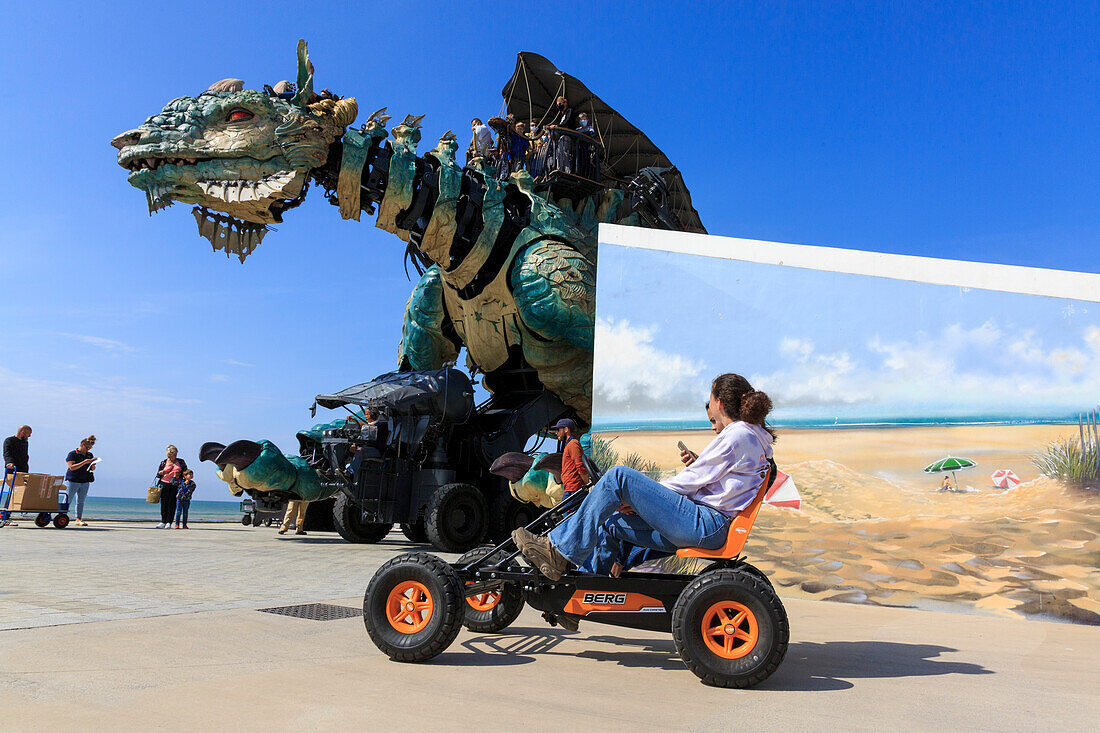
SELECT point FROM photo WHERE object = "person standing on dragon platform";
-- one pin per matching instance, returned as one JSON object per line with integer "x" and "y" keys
{"x": 482, "y": 143}
{"x": 564, "y": 119}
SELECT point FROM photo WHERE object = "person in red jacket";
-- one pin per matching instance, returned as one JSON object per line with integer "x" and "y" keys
{"x": 574, "y": 476}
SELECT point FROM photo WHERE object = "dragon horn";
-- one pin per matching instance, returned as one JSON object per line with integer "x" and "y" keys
{"x": 305, "y": 76}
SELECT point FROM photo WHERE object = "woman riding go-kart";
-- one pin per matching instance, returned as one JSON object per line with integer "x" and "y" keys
{"x": 728, "y": 625}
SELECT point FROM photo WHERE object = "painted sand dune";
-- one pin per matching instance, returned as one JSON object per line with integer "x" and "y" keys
{"x": 862, "y": 538}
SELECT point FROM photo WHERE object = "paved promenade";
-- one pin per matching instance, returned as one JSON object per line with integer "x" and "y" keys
{"x": 119, "y": 570}
{"x": 189, "y": 651}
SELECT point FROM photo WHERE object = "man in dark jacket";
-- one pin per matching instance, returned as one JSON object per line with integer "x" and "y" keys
{"x": 15, "y": 450}
{"x": 15, "y": 457}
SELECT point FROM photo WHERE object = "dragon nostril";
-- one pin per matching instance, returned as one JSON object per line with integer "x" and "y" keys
{"x": 127, "y": 138}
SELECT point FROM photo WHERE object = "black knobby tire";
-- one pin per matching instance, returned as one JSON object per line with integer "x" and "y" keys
{"x": 757, "y": 572}
{"x": 42, "y": 520}
{"x": 415, "y": 532}
{"x": 506, "y": 609}
{"x": 61, "y": 521}
{"x": 764, "y": 615}
{"x": 246, "y": 520}
{"x": 456, "y": 518}
{"x": 349, "y": 523}
{"x": 506, "y": 513}
{"x": 441, "y": 585}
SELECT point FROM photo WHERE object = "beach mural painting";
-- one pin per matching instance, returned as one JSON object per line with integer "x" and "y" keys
{"x": 937, "y": 434}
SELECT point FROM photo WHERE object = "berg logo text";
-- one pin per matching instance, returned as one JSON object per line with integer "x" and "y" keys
{"x": 610, "y": 599}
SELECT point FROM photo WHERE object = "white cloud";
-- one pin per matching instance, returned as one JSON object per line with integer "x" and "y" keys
{"x": 219, "y": 378}
{"x": 632, "y": 375}
{"x": 799, "y": 349}
{"x": 811, "y": 378}
{"x": 987, "y": 368}
{"x": 100, "y": 342}
{"x": 234, "y": 362}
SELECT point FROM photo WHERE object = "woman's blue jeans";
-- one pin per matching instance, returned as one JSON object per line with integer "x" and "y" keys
{"x": 78, "y": 492}
{"x": 593, "y": 536}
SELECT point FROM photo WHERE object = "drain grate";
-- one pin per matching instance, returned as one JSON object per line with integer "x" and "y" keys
{"x": 315, "y": 611}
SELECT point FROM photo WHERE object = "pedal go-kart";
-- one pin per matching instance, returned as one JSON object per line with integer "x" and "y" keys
{"x": 729, "y": 626}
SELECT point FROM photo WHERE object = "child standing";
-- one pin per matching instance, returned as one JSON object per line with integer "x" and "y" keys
{"x": 183, "y": 497}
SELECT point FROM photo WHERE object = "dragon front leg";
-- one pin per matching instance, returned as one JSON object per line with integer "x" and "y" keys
{"x": 428, "y": 339}
{"x": 555, "y": 290}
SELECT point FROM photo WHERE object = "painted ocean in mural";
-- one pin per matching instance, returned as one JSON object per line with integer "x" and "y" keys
{"x": 874, "y": 380}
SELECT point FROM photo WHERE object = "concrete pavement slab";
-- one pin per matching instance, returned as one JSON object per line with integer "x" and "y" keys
{"x": 189, "y": 650}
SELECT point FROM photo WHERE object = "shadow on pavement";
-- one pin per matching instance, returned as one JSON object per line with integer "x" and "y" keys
{"x": 830, "y": 665}
{"x": 310, "y": 539}
{"x": 808, "y": 666}
{"x": 496, "y": 650}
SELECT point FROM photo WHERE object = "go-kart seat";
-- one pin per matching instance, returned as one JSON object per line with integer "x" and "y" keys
{"x": 738, "y": 531}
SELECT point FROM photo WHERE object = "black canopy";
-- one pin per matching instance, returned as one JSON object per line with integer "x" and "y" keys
{"x": 445, "y": 393}
{"x": 536, "y": 85}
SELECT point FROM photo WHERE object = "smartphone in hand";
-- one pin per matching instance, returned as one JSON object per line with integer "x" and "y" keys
{"x": 687, "y": 457}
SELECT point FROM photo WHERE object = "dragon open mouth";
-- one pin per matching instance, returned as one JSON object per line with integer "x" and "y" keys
{"x": 152, "y": 163}
{"x": 236, "y": 197}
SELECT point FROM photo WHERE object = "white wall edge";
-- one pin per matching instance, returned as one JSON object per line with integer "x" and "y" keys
{"x": 960, "y": 273}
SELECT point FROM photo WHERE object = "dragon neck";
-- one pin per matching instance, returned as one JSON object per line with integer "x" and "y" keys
{"x": 429, "y": 202}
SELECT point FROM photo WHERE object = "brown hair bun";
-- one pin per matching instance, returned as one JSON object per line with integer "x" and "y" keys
{"x": 755, "y": 407}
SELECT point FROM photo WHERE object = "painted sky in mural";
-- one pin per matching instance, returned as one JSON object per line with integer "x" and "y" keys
{"x": 833, "y": 347}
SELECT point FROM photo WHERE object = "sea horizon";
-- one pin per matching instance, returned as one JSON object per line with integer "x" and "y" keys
{"x": 132, "y": 509}
{"x": 679, "y": 424}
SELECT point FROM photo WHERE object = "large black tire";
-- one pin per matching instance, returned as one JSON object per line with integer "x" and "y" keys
{"x": 246, "y": 519}
{"x": 415, "y": 532}
{"x": 505, "y": 514}
{"x": 491, "y": 612}
{"x": 757, "y": 572}
{"x": 61, "y": 521}
{"x": 428, "y": 628}
{"x": 348, "y": 520}
{"x": 747, "y": 624}
{"x": 42, "y": 519}
{"x": 456, "y": 518}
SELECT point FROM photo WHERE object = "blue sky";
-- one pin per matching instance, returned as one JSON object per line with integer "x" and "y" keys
{"x": 829, "y": 345}
{"x": 953, "y": 132}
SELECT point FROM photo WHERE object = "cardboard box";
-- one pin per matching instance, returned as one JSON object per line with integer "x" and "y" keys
{"x": 35, "y": 492}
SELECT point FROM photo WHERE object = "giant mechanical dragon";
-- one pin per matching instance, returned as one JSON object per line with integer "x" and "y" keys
{"x": 507, "y": 272}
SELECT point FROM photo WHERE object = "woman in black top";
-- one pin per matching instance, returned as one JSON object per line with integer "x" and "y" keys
{"x": 169, "y": 471}
{"x": 79, "y": 477}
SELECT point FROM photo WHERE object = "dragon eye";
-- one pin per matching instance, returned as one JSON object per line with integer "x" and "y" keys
{"x": 240, "y": 115}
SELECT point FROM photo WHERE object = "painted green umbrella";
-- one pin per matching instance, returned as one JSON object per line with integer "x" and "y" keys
{"x": 951, "y": 464}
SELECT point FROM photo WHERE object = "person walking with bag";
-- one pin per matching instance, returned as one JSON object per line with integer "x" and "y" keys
{"x": 79, "y": 477}
{"x": 168, "y": 474}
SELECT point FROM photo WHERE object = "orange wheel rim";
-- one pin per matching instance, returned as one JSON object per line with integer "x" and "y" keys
{"x": 409, "y": 607}
{"x": 484, "y": 601}
{"x": 730, "y": 629}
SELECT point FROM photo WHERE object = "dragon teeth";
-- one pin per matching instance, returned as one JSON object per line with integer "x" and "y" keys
{"x": 228, "y": 234}
{"x": 241, "y": 191}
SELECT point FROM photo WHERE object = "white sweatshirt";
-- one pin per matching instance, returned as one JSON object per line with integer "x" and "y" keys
{"x": 729, "y": 472}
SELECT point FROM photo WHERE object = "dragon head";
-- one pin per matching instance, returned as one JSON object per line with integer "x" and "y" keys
{"x": 244, "y": 153}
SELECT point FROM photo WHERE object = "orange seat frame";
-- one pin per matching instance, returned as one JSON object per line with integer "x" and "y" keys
{"x": 738, "y": 531}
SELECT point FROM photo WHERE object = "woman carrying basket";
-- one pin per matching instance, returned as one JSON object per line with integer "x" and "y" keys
{"x": 168, "y": 474}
